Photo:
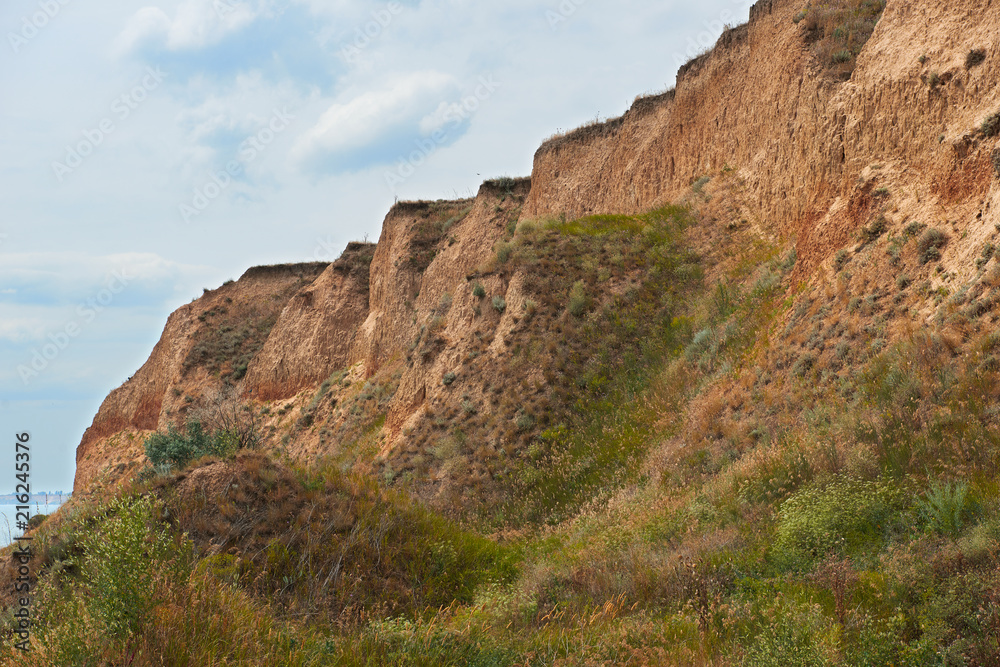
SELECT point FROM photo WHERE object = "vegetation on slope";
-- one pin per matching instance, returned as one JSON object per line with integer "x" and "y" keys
{"x": 837, "y": 31}
{"x": 735, "y": 470}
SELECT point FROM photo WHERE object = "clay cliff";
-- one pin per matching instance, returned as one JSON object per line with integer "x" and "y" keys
{"x": 762, "y": 138}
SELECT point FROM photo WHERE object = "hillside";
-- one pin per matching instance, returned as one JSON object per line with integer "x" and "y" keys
{"x": 717, "y": 384}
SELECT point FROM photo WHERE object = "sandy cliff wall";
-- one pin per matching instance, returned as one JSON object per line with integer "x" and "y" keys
{"x": 314, "y": 333}
{"x": 814, "y": 157}
{"x": 760, "y": 104}
{"x": 148, "y": 401}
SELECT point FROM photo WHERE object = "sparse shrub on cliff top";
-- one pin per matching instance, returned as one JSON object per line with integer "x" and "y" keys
{"x": 837, "y": 31}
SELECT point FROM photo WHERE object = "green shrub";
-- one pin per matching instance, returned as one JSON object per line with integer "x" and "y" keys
{"x": 504, "y": 253}
{"x": 449, "y": 378}
{"x": 840, "y": 517}
{"x": 875, "y": 229}
{"x": 123, "y": 558}
{"x": 975, "y": 58}
{"x": 478, "y": 291}
{"x": 499, "y": 303}
{"x": 791, "y": 639}
{"x": 840, "y": 260}
{"x": 842, "y": 56}
{"x": 176, "y": 449}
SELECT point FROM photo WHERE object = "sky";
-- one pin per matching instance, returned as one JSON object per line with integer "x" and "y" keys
{"x": 148, "y": 151}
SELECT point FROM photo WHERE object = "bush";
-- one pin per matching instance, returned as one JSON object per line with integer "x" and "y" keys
{"x": 975, "y": 58}
{"x": 123, "y": 557}
{"x": 930, "y": 244}
{"x": 877, "y": 228}
{"x": 478, "y": 291}
{"x": 176, "y": 449}
{"x": 499, "y": 303}
{"x": 841, "y": 517}
{"x": 504, "y": 253}
{"x": 991, "y": 125}
{"x": 449, "y": 379}
{"x": 792, "y": 639}
{"x": 840, "y": 260}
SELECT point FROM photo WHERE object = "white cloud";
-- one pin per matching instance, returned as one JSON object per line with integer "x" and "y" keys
{"x": 57, "y": 279}
{"x": 404, "y": 105}
{"x": 197, "y": 23}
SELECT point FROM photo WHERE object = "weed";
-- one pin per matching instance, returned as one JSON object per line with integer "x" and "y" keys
{"x": 578, "y": 301}
{"x": 875, "y": 229}
{"x": 946, "y": 507}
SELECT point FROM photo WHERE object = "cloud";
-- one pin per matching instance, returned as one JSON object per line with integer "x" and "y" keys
{"x": 197, "y": 24}
{"x": 376, "y": 126}
{"x": 41, "y": 284}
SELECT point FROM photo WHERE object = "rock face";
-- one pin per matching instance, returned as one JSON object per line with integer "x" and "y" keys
{"x": 760, "y": 104}
{"x": 314, "y": 334}
{"x": 158, "y": 391}
{"x": 815, "y": 156}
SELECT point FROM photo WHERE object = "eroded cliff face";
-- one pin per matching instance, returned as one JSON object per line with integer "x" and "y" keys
{"x": 801, "y": 140}
{"x": 385, "y": 345}
{"x": 199, "y": 346}
{"x": 314, "y": 335}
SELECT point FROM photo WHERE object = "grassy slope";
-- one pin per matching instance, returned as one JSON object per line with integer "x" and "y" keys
{"x": 734, "y": 470}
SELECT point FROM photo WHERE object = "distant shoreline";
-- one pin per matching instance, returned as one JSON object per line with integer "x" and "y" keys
{"x": 43, "y": 497}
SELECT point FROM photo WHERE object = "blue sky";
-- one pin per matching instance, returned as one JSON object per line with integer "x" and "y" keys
{"x": 151, "y": 150}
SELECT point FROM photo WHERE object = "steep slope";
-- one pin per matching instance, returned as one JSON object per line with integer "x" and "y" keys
{"x": 315, "y": 332}
{"x": 721, "y": 384}
{"x": 769, "y": 137}
{"x": 203, "y": 344}
{"x": 760, "y": 103}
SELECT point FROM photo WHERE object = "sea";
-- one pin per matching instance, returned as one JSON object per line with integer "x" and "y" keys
{"x": 8, "y": 526}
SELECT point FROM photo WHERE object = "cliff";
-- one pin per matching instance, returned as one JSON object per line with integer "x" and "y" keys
{"x": 766, "y": 139}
